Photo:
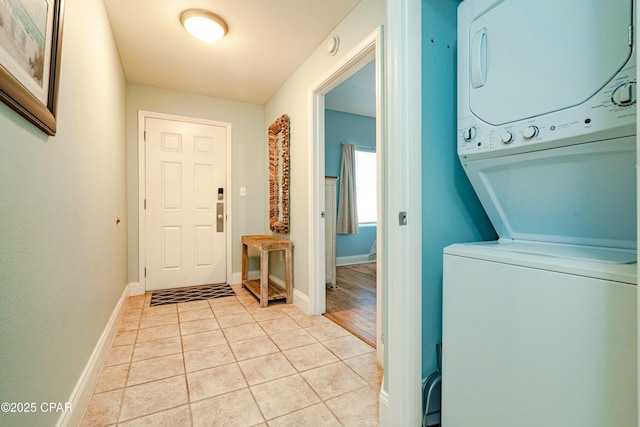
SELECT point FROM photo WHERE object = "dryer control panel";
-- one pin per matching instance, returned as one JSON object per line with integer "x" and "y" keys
{"x": 611, "y": 113}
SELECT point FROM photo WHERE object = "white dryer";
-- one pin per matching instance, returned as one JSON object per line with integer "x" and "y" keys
{"x": 540, "y": 326}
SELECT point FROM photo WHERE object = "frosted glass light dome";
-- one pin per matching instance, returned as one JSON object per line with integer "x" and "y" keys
{"x": 203, "y": 25}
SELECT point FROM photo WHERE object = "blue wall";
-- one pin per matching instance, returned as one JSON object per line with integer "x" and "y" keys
{"x": 451, "y": 210}
{"x": 359, "y": 130}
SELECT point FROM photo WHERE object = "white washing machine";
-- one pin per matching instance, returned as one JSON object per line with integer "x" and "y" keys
{"x": 532, "y": 338}
{"x": 539, "y": 327}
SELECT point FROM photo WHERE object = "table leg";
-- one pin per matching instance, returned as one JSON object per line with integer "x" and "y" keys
{"x": 245, "y": 263}
{"x": 288, "y": 275}
{"x": 264, "y": 278}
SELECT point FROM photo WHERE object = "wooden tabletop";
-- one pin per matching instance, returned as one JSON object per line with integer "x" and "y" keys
{"x": 267, "y": 243}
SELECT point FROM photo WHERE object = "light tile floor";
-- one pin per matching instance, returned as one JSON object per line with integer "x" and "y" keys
{"x": 228, "y": 362}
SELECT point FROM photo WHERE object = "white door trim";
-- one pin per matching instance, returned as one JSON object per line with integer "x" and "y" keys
{"x": 142, "y": 221}
{"x": 636, "y": 20}
{"x": 403, "y": 341}
{"x": 370, "y": 48}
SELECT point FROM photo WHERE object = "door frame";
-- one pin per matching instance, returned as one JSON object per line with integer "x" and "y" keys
{"x": 368, "y": 49}
{"x": 403, "y": 370}
{"x": 142, "y": 190}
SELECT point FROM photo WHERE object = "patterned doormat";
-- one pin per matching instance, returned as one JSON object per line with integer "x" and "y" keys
{"x": 196, "y": 293}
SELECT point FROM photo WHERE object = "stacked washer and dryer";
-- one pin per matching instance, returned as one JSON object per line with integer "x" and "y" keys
{"x": 539, "y": 327}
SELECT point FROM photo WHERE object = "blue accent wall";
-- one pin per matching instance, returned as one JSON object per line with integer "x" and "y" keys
{"x": 451, "y": 210}
{"x": 359, "y": 130}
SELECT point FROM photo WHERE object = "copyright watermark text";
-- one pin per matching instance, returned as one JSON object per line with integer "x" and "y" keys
{"x": 32, "y": 407}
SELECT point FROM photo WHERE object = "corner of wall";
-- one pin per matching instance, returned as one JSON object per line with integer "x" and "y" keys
{"x": 301, "y": 301}
{"x": 136, "y": 288}
{"x": 383, "y": 407}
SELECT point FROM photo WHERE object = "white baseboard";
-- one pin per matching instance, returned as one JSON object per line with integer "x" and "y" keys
{"x": 273, "y": 279}
{"x": 236, "y": 277}
{"x": 255, "y": 275}
{"x": 353, "y": 259}
{"x": 301, "y": 301}
{"x": 83, "y": 390}
{"x": 383, "y": 407}
{"x": 136, "y": 288}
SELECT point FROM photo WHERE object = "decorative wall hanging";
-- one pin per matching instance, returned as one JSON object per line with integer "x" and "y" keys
{"x": 30, "y": 46}
{"x": 279, "y": 175}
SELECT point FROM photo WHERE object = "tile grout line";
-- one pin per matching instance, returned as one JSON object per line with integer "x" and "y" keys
{"x": 253, "y": 396}
{"x": 323, "y": 401}
{"x": 184, "y": 367}
{"x": 126, "y": 380}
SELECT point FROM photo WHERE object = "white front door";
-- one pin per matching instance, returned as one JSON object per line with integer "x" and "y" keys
{"x": 185, "y": 203}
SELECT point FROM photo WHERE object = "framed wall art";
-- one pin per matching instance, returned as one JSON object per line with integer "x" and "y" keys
{"x": 30, "y": 47}
{"x": 279, "y": 175}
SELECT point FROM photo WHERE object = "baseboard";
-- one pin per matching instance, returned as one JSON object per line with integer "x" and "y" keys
{"x": 88, "y": 380}
{"x": 236, "y": 277}
{"x": 383, "y": 407}
{"x": 136, "y": 288}
{"x": 353, "y": 259}
{"x": 301, "y": 301}
{"x": 274, "y": 280}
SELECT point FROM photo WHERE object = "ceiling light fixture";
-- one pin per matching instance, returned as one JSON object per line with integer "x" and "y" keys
{"x": 203, "y": 25}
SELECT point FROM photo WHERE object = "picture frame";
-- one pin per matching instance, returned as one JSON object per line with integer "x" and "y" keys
{"x": 30, "y": 48}
{"x": 279, "y": 175}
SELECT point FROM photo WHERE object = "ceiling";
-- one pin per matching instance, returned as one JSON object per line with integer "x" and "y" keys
{"x": 266, "y": 43}
{"x": 357, "y": 94}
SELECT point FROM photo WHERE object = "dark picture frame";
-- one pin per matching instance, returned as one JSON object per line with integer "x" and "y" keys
{"x": 30, "y": 48}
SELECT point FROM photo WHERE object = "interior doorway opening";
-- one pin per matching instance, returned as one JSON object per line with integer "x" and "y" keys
{"x": 350, "y": 124}
{"x": 367, "y": 51}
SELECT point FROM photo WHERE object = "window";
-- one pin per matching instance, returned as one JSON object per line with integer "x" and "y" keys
{"x": 366, "y": 183}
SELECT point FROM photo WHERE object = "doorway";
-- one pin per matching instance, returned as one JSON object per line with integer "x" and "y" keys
{"x": 185, "y": 215}
{"x": 350, "y": 121}
{"x": 368, "y": 50}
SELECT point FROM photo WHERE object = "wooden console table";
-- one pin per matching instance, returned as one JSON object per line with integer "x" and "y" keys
{"x": 262, "y": 289}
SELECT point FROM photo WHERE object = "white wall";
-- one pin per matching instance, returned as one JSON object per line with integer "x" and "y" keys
{"x": 293, "y": 99}
{"x": 249, "y": 139}
{"x": 63, "y": 260}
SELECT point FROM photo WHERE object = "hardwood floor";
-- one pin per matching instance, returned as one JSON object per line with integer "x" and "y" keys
{"x": 353, "y": 304}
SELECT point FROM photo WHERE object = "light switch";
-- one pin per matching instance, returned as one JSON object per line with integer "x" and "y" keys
{"x": 243, "y": 191}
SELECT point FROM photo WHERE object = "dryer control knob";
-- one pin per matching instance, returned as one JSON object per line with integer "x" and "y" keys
{"x": 507, "y": 138}
{"x": 530, "y": 132}
{"x": 625, "y": 94}
{"x": 469, "y": 133}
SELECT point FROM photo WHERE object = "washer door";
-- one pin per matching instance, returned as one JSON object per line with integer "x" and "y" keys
{"x": 528, "y": 58}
